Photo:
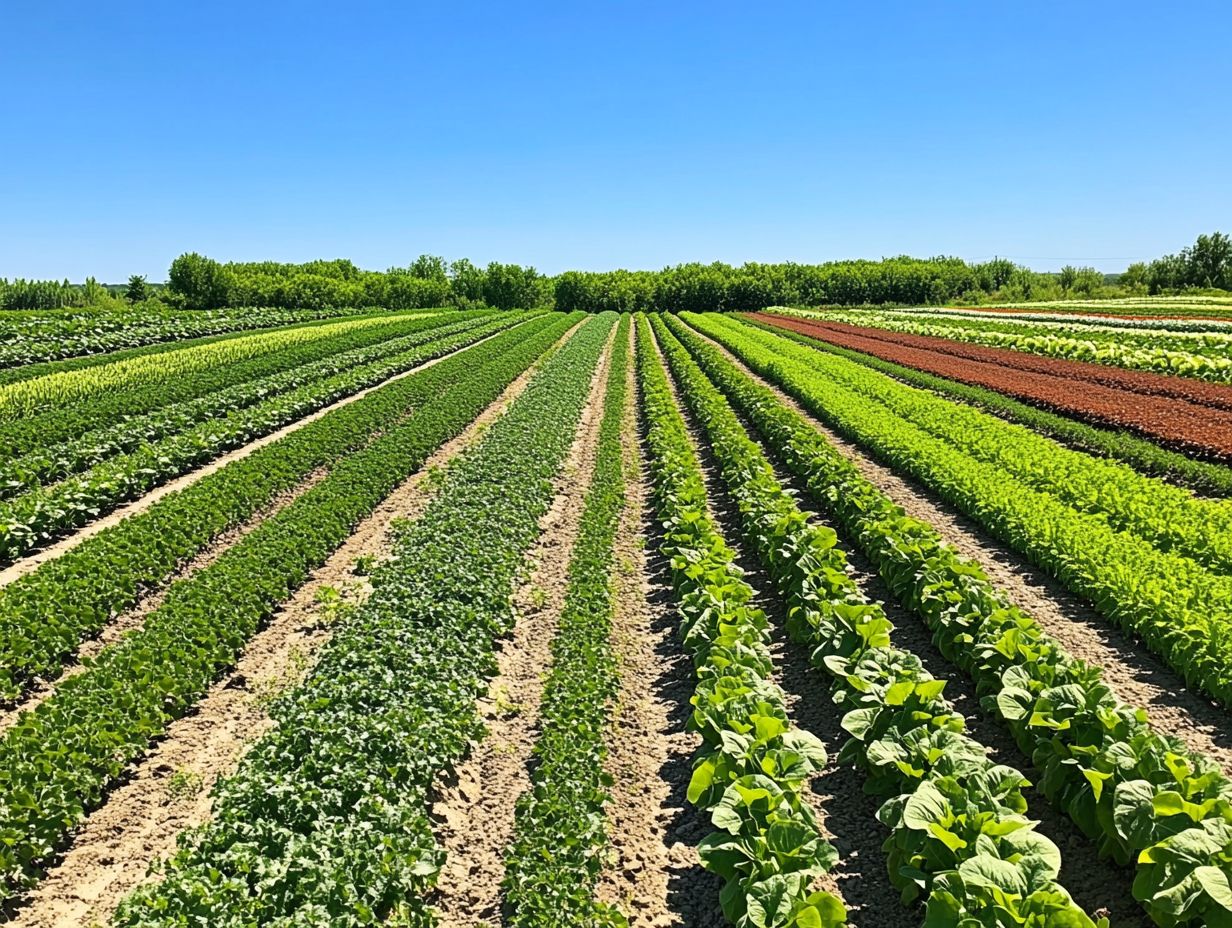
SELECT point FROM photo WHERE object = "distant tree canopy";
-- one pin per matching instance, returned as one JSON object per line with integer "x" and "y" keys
{"x": 198, "y": 282}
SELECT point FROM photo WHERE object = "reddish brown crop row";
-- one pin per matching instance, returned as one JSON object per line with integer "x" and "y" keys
{"x": 1186, "y": 414}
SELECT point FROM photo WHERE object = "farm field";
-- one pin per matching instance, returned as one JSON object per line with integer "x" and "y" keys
{"x": 779, "y": 619}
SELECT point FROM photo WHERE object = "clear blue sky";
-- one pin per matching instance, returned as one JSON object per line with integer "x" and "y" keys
{"x": 597, "y": 135}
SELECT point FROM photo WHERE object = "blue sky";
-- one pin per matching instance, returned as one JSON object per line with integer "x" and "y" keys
{"x": 598, "y": 135}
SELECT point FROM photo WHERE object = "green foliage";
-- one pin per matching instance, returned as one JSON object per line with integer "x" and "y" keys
{"x": 959, "y": 838}
{"x": 754, "y": 765}
{"x": 136, "y": 291}
{"x": 555, "y": 857}
{"x": 326, "y": 820}
{"x": 1207, "y": 264}
{"x": 1124, "y": 784}
{"x": 76, "y": 743}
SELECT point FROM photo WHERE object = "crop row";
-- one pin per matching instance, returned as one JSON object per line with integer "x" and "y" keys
{"x": 37, "y": 337}
{"x": 36, "y": 517}
{"x": 1170, "y": 517}
{"x": 57, "y": 761}
{"x": 51, "y": 461}
{"x": 1141, "y": 454}
{"x": 1082, "y": 320}
{"x": 1156, "y": 352}
{"x": 1174, "y": 604}
{"x": 44, "y": 428}
{"x": 560, "y": 832}
{"x": 1142, "y": 796}
{"x": 959, "y": 836}
{"x": 45, "y": 614}
{"x": 27, "y": 396}
{"x": 754, "y": 767}
{"x": 326, "y": 819}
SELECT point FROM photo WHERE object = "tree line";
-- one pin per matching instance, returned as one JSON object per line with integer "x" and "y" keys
{"x": 199, "y": 282}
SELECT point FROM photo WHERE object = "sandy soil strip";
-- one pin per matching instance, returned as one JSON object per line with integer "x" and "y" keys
{"x": 169, "y": 789}
{"x": 134, "y": 618}
{"x": 474, "y": 809}
{"x": 27, "y": 564}
{"x": 1136, "y": 675}
{"x": 652, "y": 874}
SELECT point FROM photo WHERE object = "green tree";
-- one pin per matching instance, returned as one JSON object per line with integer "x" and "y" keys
{"x": 136, "y": 291}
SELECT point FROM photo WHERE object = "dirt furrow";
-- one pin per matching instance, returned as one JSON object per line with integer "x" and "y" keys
{"x": 474, "y": 809}
{"x": 1135, "y": 675}
{"x": 652, "y": 874}
{"x": 27, "y": 564}
{"x": 169, "y": 789}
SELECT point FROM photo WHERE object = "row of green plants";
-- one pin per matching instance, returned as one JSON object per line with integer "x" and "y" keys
{"x": 45, "y": 614}
{"x": 560, "y": 826}
{"x": 1137, "y": 322}
{"x": 34, "y": 344}
{"x": 1156, "y": 352}
{"x": 753, "y": 771}
{"x": 241, "y": 386}
{"x": 1140, "y": 795}
{"x": 40, "y": 515}
{"x": 1138, "y": 453}
{"x": 1171, "y": 518}
{"x": 1179, "y": 608}
{"x": 25, "y": 397}
{"x": 326, "y": 821}
{"x": 71, "y": 418}
{"x": 57, "y": 761}
{"x": 960, "y": 840}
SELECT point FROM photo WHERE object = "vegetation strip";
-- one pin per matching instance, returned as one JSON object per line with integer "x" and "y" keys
{"x": 1174, "y": 604}
{"x": 1200, "y": 426}
{"x": 327, "y": 817}
{"x": 960, "y": 839}
{"x": 1145, "y": 456}
{"x": 1139, "y": 794}
{"x": 39, "y": 516}
{"x": 767, "y": 845}
{"x": 35, "y": 340}
{"x": 1204, "y": 357}
{"x": 69, "y": 439}
{"x": 57, "y": 761}
{"x": 553, "y": 863}
{"x": 45, "y": 614}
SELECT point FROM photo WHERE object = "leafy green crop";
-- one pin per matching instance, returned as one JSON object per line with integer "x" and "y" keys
{"x": 1122, "y": 783}
{"x": 754, "y": 764}
{"x": 959, "y": 837}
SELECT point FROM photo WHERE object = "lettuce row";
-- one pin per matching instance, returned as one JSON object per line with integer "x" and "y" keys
{"x": 94, "y": 438}
{"x": 57, "y": 761}
{"x": 45, "y": 614}
{"x": 38, "y": 516}
{"x": 326, "y": 820}
{"x": 554, "y": 860}
{"x": 1170, "y": 518}
{"x": 1203, "y": 359}
{"x": 754, "y": 764}
{"x": 1139, "y": 453}
{"x": 960, "y": 839}
{"x": 1179, "y": 609}
{"x": 1125, "y": 785}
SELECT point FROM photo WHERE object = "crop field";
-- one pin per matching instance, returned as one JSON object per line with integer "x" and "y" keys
{"x": 797, "y": 618}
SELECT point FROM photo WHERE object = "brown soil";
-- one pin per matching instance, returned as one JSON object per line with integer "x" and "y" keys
{"x": 1135, "y": 675}
{"x": 1178, "y": 412}
{"x": 28, "y": 564}
{"x": 652, "y": 873}
{"x": 169, "y": 790}
{"x": 475, "y": 807}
